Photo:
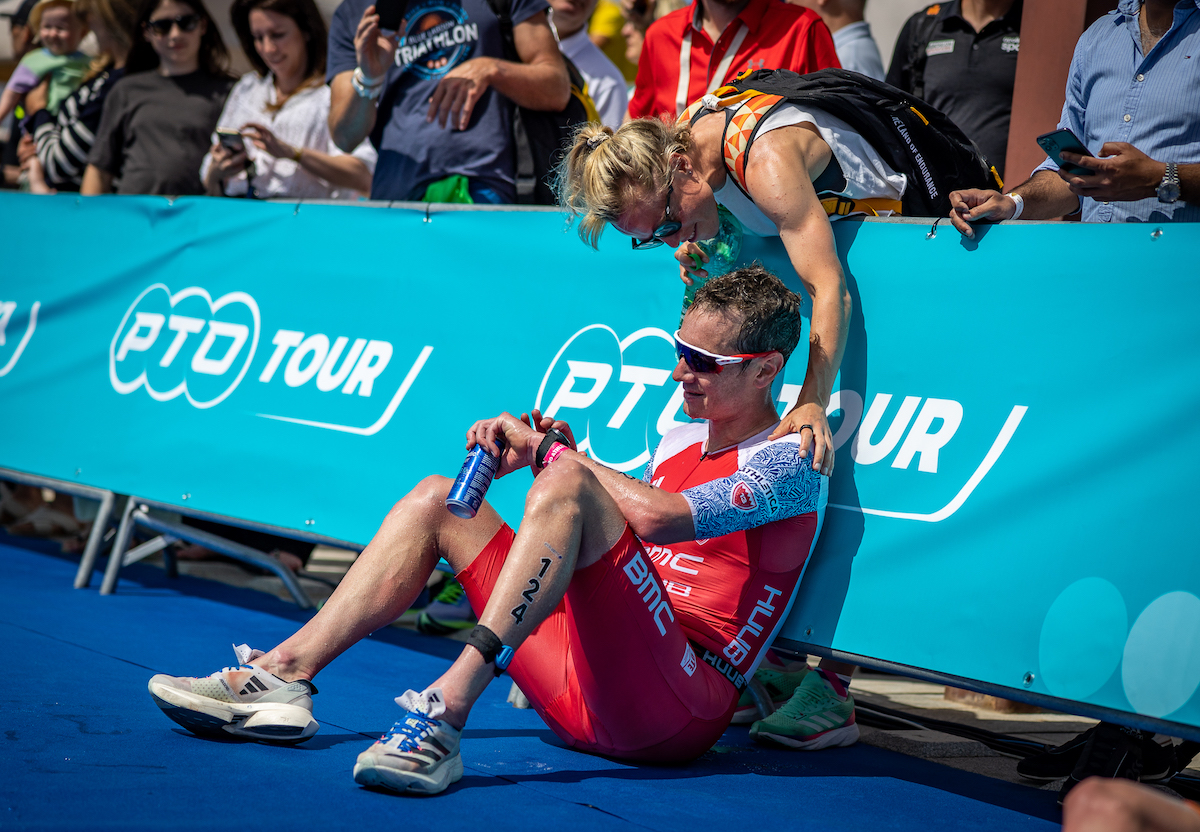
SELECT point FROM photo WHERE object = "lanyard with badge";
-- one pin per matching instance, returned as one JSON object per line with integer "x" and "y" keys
{"x": 717, "y": 79}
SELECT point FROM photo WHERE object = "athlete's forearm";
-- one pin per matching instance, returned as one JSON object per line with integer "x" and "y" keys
{"x": 655, "y": 515}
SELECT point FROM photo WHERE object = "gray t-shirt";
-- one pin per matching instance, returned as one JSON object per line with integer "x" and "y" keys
{"x": 436, "y": 36}
{"x": 155, "y": 131}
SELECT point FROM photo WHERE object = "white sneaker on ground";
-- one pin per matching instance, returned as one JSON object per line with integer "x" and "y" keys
{"x": 244, "y": 701}
{"x": 419, "y": 755}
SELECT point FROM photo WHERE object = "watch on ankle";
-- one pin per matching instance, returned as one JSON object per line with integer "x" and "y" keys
{"x": 1168, "y": 189}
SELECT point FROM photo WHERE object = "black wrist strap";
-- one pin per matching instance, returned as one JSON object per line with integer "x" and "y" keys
{"x": 552, "y": 436}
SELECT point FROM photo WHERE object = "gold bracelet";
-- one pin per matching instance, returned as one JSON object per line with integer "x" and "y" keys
{"x": 296, "y": 157}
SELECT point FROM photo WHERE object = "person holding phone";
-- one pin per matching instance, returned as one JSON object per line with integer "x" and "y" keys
{"x": 1139, "y": 108}
{"x": 272, "y": 139}
{"x": 156, "y": 121}
{"x": 428, "y": 84}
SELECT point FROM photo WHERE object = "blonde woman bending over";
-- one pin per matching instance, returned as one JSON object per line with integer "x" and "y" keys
{"x": 661, "y": 183}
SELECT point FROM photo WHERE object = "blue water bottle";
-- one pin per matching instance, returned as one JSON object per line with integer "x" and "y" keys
{"x": 473, "y": 481}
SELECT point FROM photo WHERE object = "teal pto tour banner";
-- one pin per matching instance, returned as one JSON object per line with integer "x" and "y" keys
{"x": 1015, "y": 416}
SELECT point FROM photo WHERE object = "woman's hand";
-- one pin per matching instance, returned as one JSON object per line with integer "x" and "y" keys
{"x": 225, "y": 165}
{"x": 373, "y": 49}
{"x": 268, "y": 142}
{"x": 818, "y": 446}
{"x": 690, "y": 256}
{"x": 26, "y": 149}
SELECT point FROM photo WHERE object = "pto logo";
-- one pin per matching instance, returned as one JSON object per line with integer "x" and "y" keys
{"x": 742, "y": 498}
{"x": 616, "y": 393}
{"x": 189, "y": 344}
{"x": 437, "y": 37}
{"x": 186, "y": 344}
{"x": 925, "y": 454}
{"x": 15, "y": 332}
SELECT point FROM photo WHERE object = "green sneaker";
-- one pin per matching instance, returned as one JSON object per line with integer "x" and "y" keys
{"x": 814, "y": 718}
{"x": 780, "y": 680}
{"x": 450, "y": 611}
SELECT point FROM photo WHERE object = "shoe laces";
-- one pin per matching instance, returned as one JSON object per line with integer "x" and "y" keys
{"x": 807, "y": 700}
{"x": 415, "y": 727}
{"x": 238, "y": 667}
{"x": 451, "y": 593}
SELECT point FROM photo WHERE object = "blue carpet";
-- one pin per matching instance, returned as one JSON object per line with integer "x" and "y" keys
{"x": 84, "y": 746}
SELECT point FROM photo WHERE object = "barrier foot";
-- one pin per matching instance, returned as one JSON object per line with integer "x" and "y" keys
{"x": 225, "y": 547}
{"x": 116, "y": 557}
{"x": 87, "y": 563}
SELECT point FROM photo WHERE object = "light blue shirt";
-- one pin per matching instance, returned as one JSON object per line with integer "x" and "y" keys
{"x": 856, "y": 50}
{"x": 1116, "y": 94}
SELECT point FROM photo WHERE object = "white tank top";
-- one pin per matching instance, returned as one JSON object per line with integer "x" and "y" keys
{"x": 866, "y": 174}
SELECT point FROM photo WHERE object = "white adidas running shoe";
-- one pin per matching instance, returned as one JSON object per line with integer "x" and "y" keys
{"x": 419, "y": 754}
{"x": 244, "y": 701}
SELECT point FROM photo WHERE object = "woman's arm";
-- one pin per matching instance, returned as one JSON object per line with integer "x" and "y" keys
{"x": 341, "y": 171}
{"x": 790, "y": 201}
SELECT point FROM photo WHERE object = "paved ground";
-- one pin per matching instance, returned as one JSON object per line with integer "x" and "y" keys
{"x": 922, "y": 700}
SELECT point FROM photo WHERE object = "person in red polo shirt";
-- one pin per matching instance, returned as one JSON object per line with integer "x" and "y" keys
{"x": 703, "y": 46}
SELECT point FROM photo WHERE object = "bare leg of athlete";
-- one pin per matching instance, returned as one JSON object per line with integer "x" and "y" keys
{"x": 386, "y": 578}
{"x": 1099, "y": 805}
{"x": 570, "y": 522}
{"x": 569, "y": 519}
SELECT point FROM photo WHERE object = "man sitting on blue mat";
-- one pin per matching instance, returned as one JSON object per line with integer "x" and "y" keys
{"x": 623, "y": 653}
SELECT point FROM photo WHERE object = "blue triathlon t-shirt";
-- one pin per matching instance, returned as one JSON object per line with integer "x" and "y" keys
{"x": 435, "y": 37}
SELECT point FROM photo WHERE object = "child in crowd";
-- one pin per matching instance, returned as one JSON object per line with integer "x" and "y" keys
{"x": 59, "y": 31}
{"x": 59, "y": 62}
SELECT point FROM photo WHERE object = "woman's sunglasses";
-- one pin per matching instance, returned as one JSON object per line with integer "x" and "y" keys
{"x": 665, "y": 229}
{"x": 702, "y": 361}
{"x": 162, "y": 26}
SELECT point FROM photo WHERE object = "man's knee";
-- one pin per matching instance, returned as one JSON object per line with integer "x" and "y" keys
{"x": 560, "y": 487}
{"x": 427, "y": 498}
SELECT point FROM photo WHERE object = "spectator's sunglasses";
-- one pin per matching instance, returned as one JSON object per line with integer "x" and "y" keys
{"x": 665, "y": 229}
{"x": 162, "y": 26}
{"x": 702, "y": 361}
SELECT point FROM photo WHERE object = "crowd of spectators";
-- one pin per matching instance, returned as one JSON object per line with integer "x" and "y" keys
{"x": 421, "y": 108}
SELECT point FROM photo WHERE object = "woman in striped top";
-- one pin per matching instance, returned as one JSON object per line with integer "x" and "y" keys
{"x": 62, "y": 142}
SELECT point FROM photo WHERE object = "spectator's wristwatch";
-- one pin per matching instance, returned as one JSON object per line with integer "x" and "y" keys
{"x": 1168, "y": 189}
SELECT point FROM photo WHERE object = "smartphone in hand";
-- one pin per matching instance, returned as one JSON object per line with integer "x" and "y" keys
{"x": 391, "y": 13}
{"x": 231, "y": 140}
{"x": 1054, "y": 143}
